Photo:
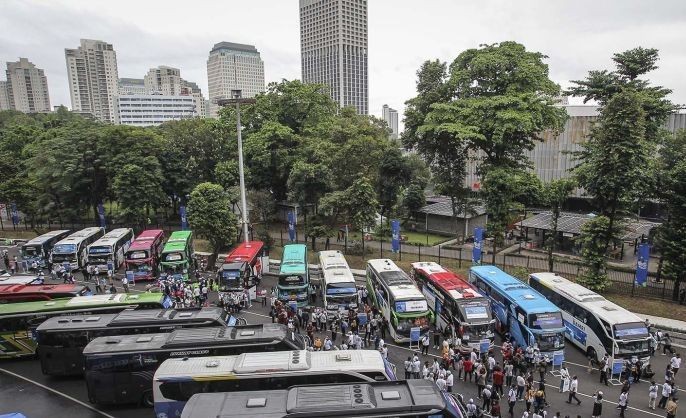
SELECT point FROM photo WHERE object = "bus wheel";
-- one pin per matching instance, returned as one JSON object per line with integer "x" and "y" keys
{"x": 148, "y": 399}
{"x": 592, "y": 355}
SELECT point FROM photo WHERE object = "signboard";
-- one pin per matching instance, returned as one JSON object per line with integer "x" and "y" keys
{"x": 617, "y": 366}
{"x": 478, "y": 241}
{"x": 101, "y": 215}
{"x": 484, "y": 346}
{"x": 411, "y": 306}
{"x": 414, "y": 334}
{"x": 558, "y": 358}
{"x": 395, "y": 235}
{"x": 291, "y": 226}
{"x": 642, "y": 264}
{"x": 184, "y": 219}
{"x": 293, "y": 305}
{"x": 131, "y": 277}
{"x": 110, "y": 266}
{"x": 362, "y": 319}
{"x": 232, "y": 321}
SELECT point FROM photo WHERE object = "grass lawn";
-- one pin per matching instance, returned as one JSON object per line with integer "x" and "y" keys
{"x": 421, "y": 238}
{"x": 653, "y": 307}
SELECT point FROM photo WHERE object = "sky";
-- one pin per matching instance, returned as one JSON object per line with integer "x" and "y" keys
{"x": 576, "y": 35}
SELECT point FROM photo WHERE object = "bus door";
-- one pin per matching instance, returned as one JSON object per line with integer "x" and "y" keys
{"x": 518, "y": 328}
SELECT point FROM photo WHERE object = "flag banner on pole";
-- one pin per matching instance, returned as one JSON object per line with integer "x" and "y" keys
{"x": 101, "y": 215}
{"x": 478, "y": 241}
{"x": 184, "y": 218}
{"x": 395, "y": 234}
{"x": 291, "y": 226}
{"x": 15, "y": 214}
{"x": 642, "y": 264}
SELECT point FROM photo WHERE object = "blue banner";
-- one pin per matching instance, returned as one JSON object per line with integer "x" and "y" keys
{"x": 558, "y": 358}
{"x": 291, "y": 226}
{"x": 184, "y": 219}
{"x": 15, "y": 214}
{"x": 101, "y": 215}
{"x": 415, "y": 334}
{"x": 478, "y": 241}
{"x": 642, "y": 264}
{"x": 395, "y": 234}
{"x": 484, "y": 346}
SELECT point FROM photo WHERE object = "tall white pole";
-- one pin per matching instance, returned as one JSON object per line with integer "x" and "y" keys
{"x": 244, "y": 205}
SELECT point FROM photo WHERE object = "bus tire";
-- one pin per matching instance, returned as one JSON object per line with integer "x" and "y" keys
{"x": 148, "y": 400}
{"x": 591, "y": 354}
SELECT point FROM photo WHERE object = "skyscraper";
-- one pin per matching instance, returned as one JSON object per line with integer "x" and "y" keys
{"x": 391, "y": 118}
{"x": 26, "y": 87}
{"x": 93, "y": 77}
{"x": 165, "y": 80}
{"x": 333, "y": 48}
{"x": 232, "y": 66}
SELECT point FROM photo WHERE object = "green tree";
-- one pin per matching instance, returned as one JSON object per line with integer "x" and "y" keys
{"x": 413, "y": 200}
{"x": 138, "y": 190}
{"x": 210, "y": 215}
{"x": 555, "y": 194}
{"x": 593, "y": 239}
{"x": 394, "y": 175}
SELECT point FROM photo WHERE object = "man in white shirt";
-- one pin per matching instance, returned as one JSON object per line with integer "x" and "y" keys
{"x": 425, "y": 344}
{"x": 521, "y": 385}
{"x": 564, "y": 375}
{"x": 573, "y": 387}
{"x": 384, "y": 352}
{"x": 416, "y": 367}
{"x": 675, "y": 362}
{"x": 512, "y": 399}
{"x": 449, "y": 379}
{"x": 623, "y": 403}
{"x": 440, "y": 382}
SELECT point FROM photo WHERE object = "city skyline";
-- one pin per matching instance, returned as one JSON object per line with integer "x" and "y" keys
{"x": 577, "y": 37}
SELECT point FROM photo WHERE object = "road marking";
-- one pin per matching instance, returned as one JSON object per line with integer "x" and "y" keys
{"x": 64, "y": 395}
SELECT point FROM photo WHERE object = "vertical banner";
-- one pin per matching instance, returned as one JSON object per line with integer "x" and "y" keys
{"x": 642, "y": 264}
{"x": 15, "y": 214}
{"x": 184, "y": 219}
{"x": 478, "y": 240}
{"x": 395, "y": 235}
{"x": 291, "y": 226}
{"x": 101, "y": 215}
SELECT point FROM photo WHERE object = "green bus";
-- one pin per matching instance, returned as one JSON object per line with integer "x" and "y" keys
{"x": 294, "y": 276}
{"x": 18, "y": 321}
{"x": 175, "y": 260}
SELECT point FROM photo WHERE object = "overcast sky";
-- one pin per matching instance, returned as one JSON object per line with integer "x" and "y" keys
{"x": 577, "y": 35}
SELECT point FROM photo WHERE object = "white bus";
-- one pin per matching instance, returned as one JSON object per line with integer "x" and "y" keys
{"x": 338, "y": 284}
{"x": 73, "y": 249}
{"x": 38, "y": 249}
{"x": 398, "y": 299}
{"x": 176, "y": 380}
{"x": 593, "y": 323}
{"x": 110, "y": 249}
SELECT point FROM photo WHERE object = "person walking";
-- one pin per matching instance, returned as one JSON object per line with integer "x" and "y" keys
{"x": 408, "y": 368}
{"x": 604, "y": 369}
{"x": 667, "y": 344}
{"x": 486, "y": 394}
{"x": 666, "y": 393}
{"x": 125, "y": 284}
{"x": 449, "y": 380}
{"x": 564, "y": 376}
{"x": 521, "y": 385}
{"x": 511, "y": 399}
{"x": 425, "y": 344}
{"x": 675, "y": 363}
{"x": 597, "y": 405}
{"x": 652, "y": 395}
{"x": 623, "y": 402}
{"x": 573, "y": 388}
{"x": 671, "y": 408}
{"x": 417, "y": 368}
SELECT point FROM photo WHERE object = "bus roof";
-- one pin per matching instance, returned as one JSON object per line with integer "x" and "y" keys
{"x": 21, "y": 279}
{"x": 449, "y": 282}
{"x": 111, "y": 237}
{"x": 244, "y": 252}
{"x": 294, "y": 259}
{"x": 79, "y": 236}
{"x": 391, "y": 398}
{"x": 609, "y": 311}
{"x": 130, "y": 317}
{"x": 78, "y": 302}
{"x": 521, "y": 293}
{"x": 189, "y": 338}
{"x": 149, "y": 234}
{"x": 177, "y": 241}
{"x": 17, "y": 288}
{"x": 45, "y": 237}
{"x": 390, "y": 273}
{"x": 271, "y": 362}
{"x": 334, "y": 267}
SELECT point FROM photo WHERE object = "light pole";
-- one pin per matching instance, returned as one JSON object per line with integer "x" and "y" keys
{"x": 237, "y": 99}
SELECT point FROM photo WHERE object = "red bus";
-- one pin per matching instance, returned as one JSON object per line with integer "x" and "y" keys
{"x": 143, "y": 256}
{"x": 242, "y": 268}
{"x": 32, "y": 292}
{"x": 456, "y": 304}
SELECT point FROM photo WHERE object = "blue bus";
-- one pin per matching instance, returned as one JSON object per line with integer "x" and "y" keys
{"x": 530, "y": 318}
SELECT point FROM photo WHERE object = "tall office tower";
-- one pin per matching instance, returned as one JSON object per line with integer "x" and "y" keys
{"x": 165, "y": 80}
{"x": 4, "y": 99}
{"x": 232, "y": 66}
{"x": 93, "y": 78}
{"x": 391, "y": 117}
{"x": 333, "y": 48}
{"x": 27, "y": 87}
{"x": 128, "y": 86}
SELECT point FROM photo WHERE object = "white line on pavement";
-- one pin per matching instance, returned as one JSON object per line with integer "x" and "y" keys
{"x": 64, "y": 395}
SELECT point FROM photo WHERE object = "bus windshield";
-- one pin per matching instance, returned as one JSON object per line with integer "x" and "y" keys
{"x": 405, "y": 324}
{"x": 291, "y": 280}
{"x": 100, "y": 250}
{"x": 631, "y": 331}
{"x": 175, "y": 256}
{"x": 548, "y": 342}
{"x": 340, "y": 289}
{"x": 475, "y": 311}
{"x": 137, "y": 255}
{"x": 30, "y": 251}
{"x": 548, "y": 320}
{"x": 64, "y": 249}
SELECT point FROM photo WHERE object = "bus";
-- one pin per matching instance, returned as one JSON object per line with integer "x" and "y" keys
{"x": 143, "y": 256}
{"x": 12, "y": 293}
{"x": 61, "y": 339}
{"x": 175, "y": 260}
{"x": 176, "y": 380}
{"x": 108, "y": 252}
{"x": 294, "y": 276}
{"x": 593, "y": 323}
{"x": 456, "y": 304}
{"x": 339, "y": 292}
{"x": 529, "y": 318}
{"x": 72, "y": 251}
{"x": 18, "y": 321}
{"x": 398, "y": 299}
{"x": 119, "y": 369}
{"x": 406, "y": 398}
{"x": 26, "y": 279}
{"x": 242, "y": 268}
{"x": 38, "y": 249}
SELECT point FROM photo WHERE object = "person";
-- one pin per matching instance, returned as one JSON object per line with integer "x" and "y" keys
{"x": 529, "y": 397}
{"x": 384, "y": 352}
{"x": 417, "y": 367}
{"x": 441, "y": 383}
{"x": 486, "y": 394}
{"x": 113, "y": 289}
{"x": 675, "y": 363}
{"x": 125, "y": 284}
{"x": 408, "y": 368}
{"x": 85, "y": 272}
{"x": 671, "y": 408}
{"x": 511, "y": 399}
{"x": 471, "y": 409}
{"x": 597, "y": 404}
{"x": 449, "y": 380}
{"x": 652, "y": 395}
{"x": 573, "y": 387}
{"x": 480, "y": 380}
{"x": 468, "y": 369}
{"x": 98, "y": 286}
{"x": 604, "y": 369}
{"x": 498, "y": 378}
{"x": 521, "y": 385}
{"x": 509, "y": 373}
{"x": 666, "y": 393}
{"x": 623, "y": 402}
{"x": 667, "y": 345}
{"x": 564, "y": 376}
{"x": 425, "y": 344}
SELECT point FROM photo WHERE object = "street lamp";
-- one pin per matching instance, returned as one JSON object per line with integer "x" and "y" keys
{"x": 236, "y": 98}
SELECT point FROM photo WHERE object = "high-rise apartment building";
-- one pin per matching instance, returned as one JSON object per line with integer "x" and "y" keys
{"x": 189, "y": 88}
{"x": 232, "y": 66}
{"x": 333, "y": 47}
{"x": 165, "y": 80}
{"x": 391, "y": 117}
{"x": 93, "y": 79}
{"x": 4, "y": 99}
{"x": 27, "y": 87}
